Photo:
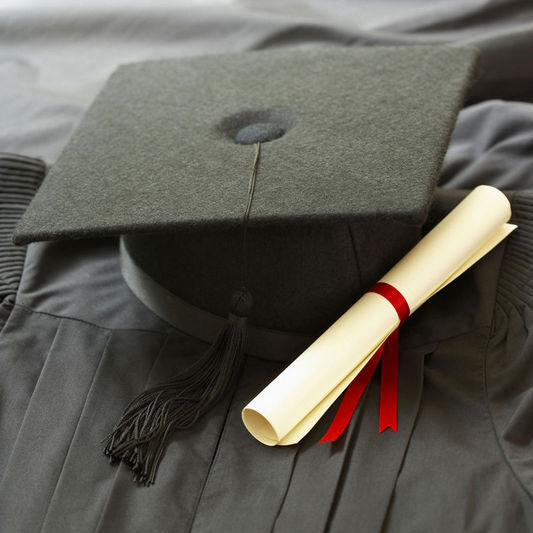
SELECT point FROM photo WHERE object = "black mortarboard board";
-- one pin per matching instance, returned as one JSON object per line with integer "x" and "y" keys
{"x": 365, "y": 133}
{"x": 352, "y": 143}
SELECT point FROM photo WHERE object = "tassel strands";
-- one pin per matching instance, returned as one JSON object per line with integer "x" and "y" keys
{"x": 139, "y": 439}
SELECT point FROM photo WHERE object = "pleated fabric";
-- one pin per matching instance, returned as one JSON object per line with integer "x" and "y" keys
{"x": 20, "y": 177}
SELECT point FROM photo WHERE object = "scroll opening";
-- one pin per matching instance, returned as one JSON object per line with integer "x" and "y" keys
{"x": 259, "y": 427}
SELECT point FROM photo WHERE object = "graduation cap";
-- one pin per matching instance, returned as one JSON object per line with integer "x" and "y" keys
{"x": 295, "y": 176}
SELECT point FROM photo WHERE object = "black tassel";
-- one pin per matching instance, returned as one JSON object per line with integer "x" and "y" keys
{"x": 140, "y": 437}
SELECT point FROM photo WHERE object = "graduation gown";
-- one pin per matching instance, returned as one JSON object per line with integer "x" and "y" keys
{"x": 78, "y": 345}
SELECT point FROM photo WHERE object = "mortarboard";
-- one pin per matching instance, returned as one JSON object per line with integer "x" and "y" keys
{"x": 302, "y": 175}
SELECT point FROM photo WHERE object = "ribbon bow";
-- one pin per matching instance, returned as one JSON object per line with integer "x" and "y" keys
{"x": 388, "y": 354}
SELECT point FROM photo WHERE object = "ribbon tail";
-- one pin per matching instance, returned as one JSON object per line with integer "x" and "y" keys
{"x": 388, "y": 408}
{"x": 351, "y": 398}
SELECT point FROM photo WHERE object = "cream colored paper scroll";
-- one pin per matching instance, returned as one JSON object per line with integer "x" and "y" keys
{"x": 285, "y": 411}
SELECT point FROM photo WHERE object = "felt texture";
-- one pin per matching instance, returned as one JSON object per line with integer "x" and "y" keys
{"x": 259, "y": 132}
{"x": 365, "y": 133}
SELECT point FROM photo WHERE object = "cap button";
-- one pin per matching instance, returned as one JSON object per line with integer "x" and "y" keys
{"x": 259, "y": 132}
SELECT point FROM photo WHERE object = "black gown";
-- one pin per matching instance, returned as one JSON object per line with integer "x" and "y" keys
{"x": 78, "y": 345}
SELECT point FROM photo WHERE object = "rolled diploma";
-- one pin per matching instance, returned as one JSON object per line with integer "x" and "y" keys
{"x": 286, "y": 410}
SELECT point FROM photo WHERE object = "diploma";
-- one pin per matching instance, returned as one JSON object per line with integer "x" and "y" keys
{"x": 286, "y": 410}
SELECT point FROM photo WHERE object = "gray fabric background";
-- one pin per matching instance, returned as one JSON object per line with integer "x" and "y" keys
{"x": 462, "y": 458}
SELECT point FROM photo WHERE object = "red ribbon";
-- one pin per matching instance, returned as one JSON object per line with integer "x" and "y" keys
{"x": 388, "y": 354}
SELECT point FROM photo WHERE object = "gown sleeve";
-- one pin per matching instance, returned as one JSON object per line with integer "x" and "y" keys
{"x": 20, "y": 177}
{"x": 509, "y": 356}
